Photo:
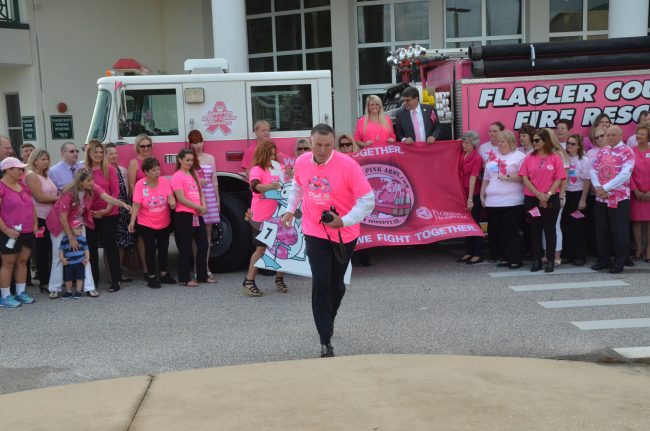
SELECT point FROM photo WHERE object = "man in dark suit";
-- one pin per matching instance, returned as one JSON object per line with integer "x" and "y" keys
{"x": 426, "y": 128}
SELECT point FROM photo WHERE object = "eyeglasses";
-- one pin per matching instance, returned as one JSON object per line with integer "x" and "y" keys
{"x": 303, "y": 149}
{"x": 72, "y": 151}
{"x": 536, "y": 140}
{"x": 345, "y": 144}
{"x": 599, "y": 136}
{"x": 146, "y": 146}
{"x": 572, "y": 143}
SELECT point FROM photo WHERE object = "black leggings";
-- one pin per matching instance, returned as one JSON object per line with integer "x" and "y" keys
{"x": 106, "y": 228}
{"x": 506, "y": 221}
{"x": 574, "y": 231}
{"x": 185, "y": 233}
{"x": 474, "y": 244}
{"x": 155, "y": 240}
{"x": 44, "y": 255}
{"x": 546, "y": 222}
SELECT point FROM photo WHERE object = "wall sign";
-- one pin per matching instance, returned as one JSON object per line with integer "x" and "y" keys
{"x": 29, "y": 128}
{"x": 62, "y": 127}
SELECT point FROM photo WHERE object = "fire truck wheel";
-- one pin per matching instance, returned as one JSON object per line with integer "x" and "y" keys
{"x": 230, "y": 245}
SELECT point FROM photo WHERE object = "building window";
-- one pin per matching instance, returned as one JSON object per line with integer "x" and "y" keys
{"x": 14, "y": 121}
{"x": 483, "y": 22}
{"x": 289, "y": 35}
{"x": 385, "y": 26}
{"x": 578, "y": 20}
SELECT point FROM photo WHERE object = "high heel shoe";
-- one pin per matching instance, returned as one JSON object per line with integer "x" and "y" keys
{"x": 550, "y": 266}
{"x": 474, "y": 262}
{"x": 465, "y": 258}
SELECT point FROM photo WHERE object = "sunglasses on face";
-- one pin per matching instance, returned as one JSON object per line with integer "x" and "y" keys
{"x": 599, "y": 136}
{"x": 146, "y": 146}
{"x": 345, "y": 144}
{"x": 303, "y": 149}
{"x": 572, "y": 143}
{"x": 73, "y": 151}
{"x": 536, "y": 140}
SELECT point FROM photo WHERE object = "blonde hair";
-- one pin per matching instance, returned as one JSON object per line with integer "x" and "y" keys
{"x": 37, "y": 154}
{"x": 509, "y": 137}
{"x": 75, "y": 186}
{"x": 141, "y": 137}
{"x": 381, "y": 114}
{"x": 349, "y": 137}
{"x": 90, "y": 149}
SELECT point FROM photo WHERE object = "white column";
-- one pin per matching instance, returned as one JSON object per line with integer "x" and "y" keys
{"x": 343, "y": 52}
{"x": 229, "y": 33}
{"x": 628, "y": 18}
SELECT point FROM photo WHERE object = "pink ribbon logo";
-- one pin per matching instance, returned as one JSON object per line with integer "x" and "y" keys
{"x": 219, "y": 118}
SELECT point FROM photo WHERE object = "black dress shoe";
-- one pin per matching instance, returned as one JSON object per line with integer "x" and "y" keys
{"x": 598, "y": 267}
{"x": 550, "y": 266}
{"x": 615, "y": 270}
{"x": 474, "y": 262}
{"x": 326, "y": 351}
{"x": 629, "y": 262}
{"x": 515, "y": 265}
{"x": 537, "y": 265}
{"x": 502, "y": 264}
{"x": 579, "y": 262}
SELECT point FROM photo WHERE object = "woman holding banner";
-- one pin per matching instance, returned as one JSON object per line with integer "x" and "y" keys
{"x": 375, "y": 126}
{"x": 542, "y": 172}
{"x": 502, "y": 197}
{"x": 262, "y": 180}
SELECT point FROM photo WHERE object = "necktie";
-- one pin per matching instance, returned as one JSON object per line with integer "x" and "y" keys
{"x": 73, "y": 170}
{"x": 416, "y": 126}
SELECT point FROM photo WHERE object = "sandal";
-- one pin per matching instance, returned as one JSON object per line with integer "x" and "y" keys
{"x": 92, "y": 293}
{"x": 114, "y": 288}
{"x": 280, "y": 285}
{"x": 191, "y": 283}
{"x": 250, "y": 288}
{"x": 210, "y": 279}
{"x": 54, "y": 295}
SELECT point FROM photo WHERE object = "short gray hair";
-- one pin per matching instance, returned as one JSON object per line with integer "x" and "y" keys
{"x": 65, "y": 144}
{"x": 472, "y": 137}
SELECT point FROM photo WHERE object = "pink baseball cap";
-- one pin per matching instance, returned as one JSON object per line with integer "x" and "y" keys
{"x": 76, "y": 223}
{"x": 11, "y": 162}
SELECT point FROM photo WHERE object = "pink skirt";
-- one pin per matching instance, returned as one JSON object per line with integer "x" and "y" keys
{"x": 639, "y": 211}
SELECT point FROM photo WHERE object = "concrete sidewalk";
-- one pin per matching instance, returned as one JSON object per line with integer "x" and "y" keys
{"x": 380, "y": 392}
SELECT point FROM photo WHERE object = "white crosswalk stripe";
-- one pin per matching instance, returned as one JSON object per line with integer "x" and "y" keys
{"x": 628, "y": 300}
{"x": 527, "y": 273}
{"x": 576, "y": 285}
{"x": 591, "y": 325}
{"x": 633, "y": 352}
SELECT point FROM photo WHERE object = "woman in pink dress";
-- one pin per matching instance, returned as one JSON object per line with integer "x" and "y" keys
{"x": 640, "y": 187}
{"x": 374, "y": 126}
{"x": 206, "y": 170}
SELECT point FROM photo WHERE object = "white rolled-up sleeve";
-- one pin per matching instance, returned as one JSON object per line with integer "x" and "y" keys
{"x": 621, "y": 178}
{"x": 364, "y": 206}
{"x": 295, "y": 197}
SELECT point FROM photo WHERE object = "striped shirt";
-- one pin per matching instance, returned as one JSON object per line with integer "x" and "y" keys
{"x": 71, "y": 255}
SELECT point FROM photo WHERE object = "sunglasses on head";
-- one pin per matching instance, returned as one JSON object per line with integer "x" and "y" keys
{"x": 345, "y": 144}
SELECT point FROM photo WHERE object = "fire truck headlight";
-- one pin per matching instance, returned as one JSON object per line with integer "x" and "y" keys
{"x": 419, "y": 51}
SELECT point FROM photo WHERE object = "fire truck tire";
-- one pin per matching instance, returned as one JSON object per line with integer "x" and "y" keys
{"x": 231, "y": 243}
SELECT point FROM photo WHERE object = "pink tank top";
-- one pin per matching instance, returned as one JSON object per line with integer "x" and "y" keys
{"x": 49, "y": 189}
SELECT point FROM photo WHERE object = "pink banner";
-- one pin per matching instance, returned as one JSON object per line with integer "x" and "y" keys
{"x": 419, "y": 197}
{"x": 542, "y": 103}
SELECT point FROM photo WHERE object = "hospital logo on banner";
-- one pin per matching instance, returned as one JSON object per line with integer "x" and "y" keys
{"x": 219, "y": 118}
{"x": 393, "y": 195}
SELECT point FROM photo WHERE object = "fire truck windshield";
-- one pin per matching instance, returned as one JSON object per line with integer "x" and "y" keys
{"x": 99, "y": 123}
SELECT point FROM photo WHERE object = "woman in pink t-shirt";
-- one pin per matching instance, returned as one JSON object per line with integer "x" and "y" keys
{"x": 374, "y": 127}
{"x": 640, "y": 196}
{"x": 188, "y": 221}
{"x": 542, "y": 172}
{"x": 152, "y": 200}
{"x": 262, "y": 180}
{"x": 75, "y": 203}
{"x": 105, "y": 215}
{"x": 17, "y": 225}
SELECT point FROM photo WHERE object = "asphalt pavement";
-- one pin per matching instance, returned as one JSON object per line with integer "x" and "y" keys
{"x": 410, "y": 301}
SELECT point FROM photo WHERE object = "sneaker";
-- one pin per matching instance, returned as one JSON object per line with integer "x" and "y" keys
{"x": 326, "y": 351}
{"x": 66, "y": 295}
{"x": 77, "y": 295}
{"x": 9, "y": 302}
{"x": 24, "y": 298}
{"x": 167, "y": 279}
{"x": 153, "y": 283}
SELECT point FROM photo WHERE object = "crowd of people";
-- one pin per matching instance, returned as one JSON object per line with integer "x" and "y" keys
{"x": 59, "y": 216}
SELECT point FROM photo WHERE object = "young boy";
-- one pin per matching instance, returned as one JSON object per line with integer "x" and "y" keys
{"x": 74, "y": 262}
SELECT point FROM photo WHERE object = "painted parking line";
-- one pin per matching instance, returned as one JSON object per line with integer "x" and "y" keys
{"x": 527, "y": 273}
{"x": 628, "y": 300}
{"x": 633, "y": 352}
{"x": 576, "y": 285}
{"x": 589, "y": 325}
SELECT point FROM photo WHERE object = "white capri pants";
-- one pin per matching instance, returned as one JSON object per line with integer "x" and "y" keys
{"x": 56, "y": 276}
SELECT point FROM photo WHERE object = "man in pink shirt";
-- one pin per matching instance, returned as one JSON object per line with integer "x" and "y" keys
{"x": 336, "y": 197}
{"x": 262, "y": 130}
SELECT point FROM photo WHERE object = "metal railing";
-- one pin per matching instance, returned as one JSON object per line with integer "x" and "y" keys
{"x": 10, "y": 14}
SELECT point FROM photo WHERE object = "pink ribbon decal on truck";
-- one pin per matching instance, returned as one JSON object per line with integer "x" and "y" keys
{"x": 219, "y": 118}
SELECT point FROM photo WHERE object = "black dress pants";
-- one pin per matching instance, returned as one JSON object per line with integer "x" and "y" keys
{"x": 43, "y": 255}
{"x": 106, "y": 229}
{"x": 545, "y": 222}
{"x": 474, "y": 244}
{"x": 506, "y": 220}
{"x": 574, "y": 231}
{"x": 612, "y": 233}
{"x": 328, "y": 287}
{"x": 156, "y": 241}
{"x": 186, "y": 233}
